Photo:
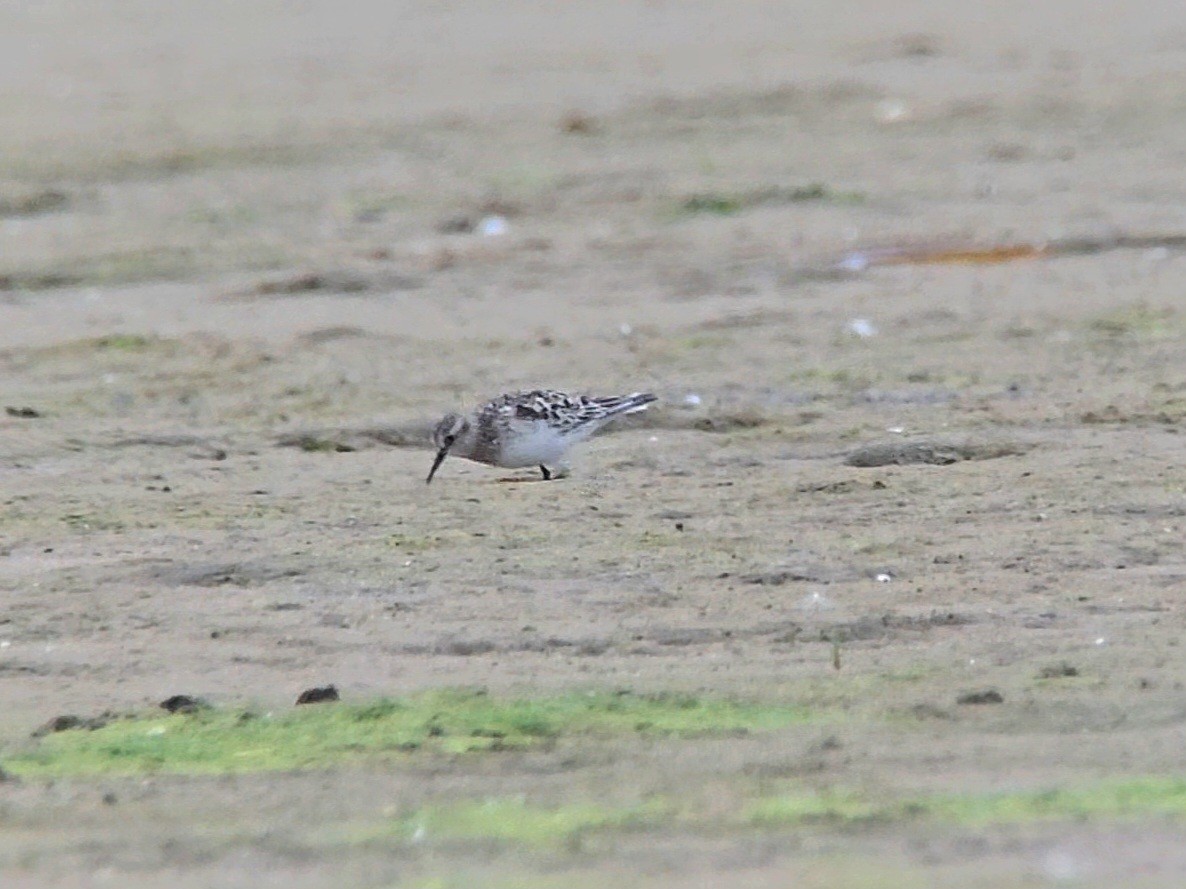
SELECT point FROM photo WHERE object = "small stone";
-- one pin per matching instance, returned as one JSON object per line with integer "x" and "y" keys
{"x": 318, "y": 695}
{"x": 1058, "y": 671}
{"x": 184, "y": 704}
{"x": 987, "y": 696}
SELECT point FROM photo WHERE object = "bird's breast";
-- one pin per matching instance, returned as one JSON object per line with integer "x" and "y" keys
{"x": 529, "y": 444}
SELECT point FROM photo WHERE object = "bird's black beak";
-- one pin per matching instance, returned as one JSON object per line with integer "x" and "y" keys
{"x": 440, "y": 458}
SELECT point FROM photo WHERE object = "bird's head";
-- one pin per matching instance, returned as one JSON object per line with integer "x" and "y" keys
{"x": 444, "y": 436}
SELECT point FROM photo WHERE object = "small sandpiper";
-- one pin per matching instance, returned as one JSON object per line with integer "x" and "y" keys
{"x": 533, "y": 428}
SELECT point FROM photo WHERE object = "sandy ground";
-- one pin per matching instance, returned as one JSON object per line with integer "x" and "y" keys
{"x": 229, "y": 230}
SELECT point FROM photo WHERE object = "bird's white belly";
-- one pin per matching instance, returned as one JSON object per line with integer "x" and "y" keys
{"x": 530, "y": 445}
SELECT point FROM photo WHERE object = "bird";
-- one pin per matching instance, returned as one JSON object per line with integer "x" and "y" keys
{"x": 528, "y": 428}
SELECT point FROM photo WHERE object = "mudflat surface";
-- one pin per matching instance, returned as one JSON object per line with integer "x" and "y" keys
{"x": 248, "y": 262}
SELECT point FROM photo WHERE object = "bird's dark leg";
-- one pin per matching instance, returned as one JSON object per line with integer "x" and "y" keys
{"x": 547, "y": 472}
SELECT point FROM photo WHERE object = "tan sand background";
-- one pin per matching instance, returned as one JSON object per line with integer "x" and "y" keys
{"x": 242, "y": 277}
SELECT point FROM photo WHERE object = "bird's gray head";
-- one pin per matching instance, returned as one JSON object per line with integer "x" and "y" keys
{"x": 444, "y": 436}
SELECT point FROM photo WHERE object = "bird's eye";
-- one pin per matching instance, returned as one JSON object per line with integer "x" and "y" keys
{"x": 449, "y": 439}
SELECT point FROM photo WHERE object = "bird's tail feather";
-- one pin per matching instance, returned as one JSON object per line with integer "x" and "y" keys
{"x": 627, "y": 404}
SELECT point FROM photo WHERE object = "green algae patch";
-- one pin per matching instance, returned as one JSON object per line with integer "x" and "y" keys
{"x": 1145, "y": 797}
{"x": 729, "y": 203}
{"x": 1107, "y": 800}
{"x": 805, "y": 807}
{"x": 515, "y": 821}
{"x": 443, "y": 722}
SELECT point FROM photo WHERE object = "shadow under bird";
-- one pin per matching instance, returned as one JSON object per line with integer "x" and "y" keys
{"x": 533, "y": 428}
